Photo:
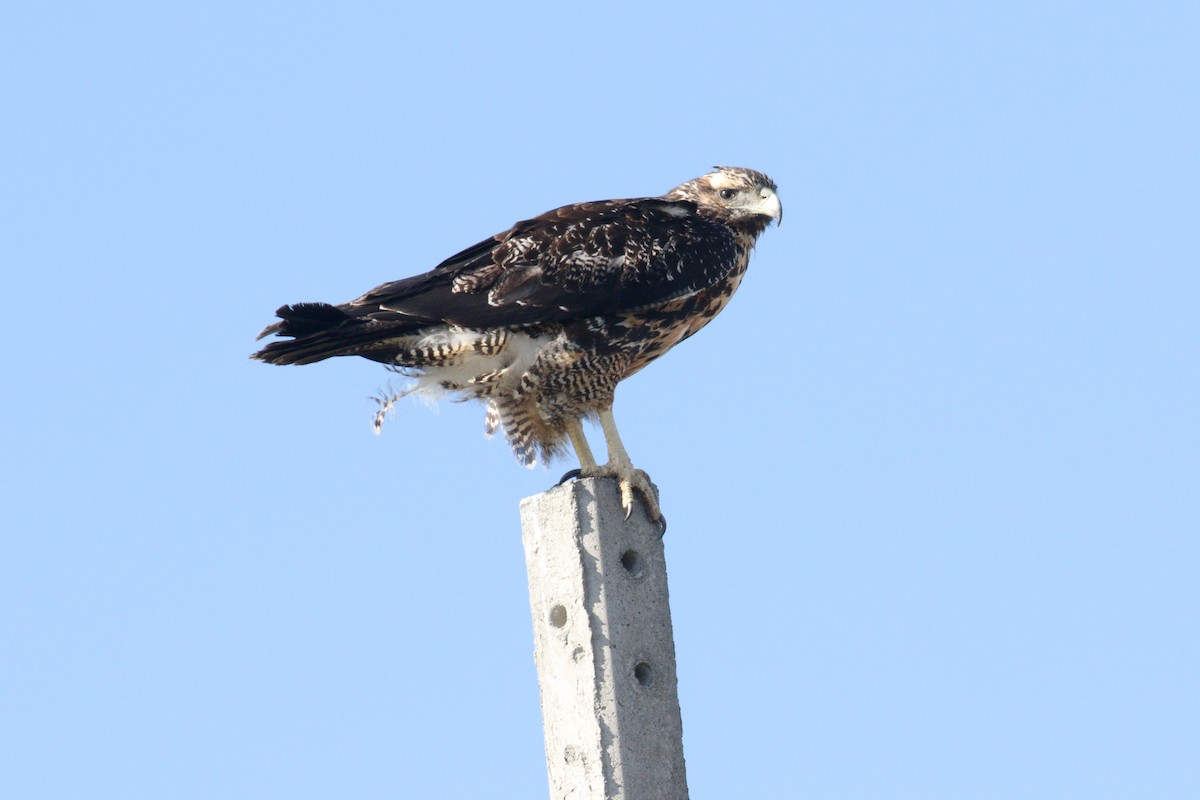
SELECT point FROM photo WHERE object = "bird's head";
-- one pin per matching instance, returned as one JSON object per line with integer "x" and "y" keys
{"x": 736, "y": 195}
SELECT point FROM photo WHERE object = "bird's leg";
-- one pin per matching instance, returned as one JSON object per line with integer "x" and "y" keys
{"x": 587, "y": 461}
{"x": 629, "y": 479}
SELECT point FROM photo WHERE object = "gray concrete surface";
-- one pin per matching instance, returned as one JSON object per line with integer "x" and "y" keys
{"x": 604, "y": 647}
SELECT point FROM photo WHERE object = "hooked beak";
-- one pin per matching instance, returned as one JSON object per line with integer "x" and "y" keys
{"x": 769, "y": 206}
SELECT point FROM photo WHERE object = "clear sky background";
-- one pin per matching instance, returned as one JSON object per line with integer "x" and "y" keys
{"x": 933, "y": 478}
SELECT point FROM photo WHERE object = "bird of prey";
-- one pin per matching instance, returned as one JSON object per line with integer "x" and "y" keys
{"x": 541, "y": 322}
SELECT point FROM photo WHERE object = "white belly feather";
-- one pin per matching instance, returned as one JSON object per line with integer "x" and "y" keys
{"x": 475, "y": 362}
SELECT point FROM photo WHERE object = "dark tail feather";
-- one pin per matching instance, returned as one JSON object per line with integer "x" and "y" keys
{"x": 302, "y": 319}
{"x": 321, "y": 331}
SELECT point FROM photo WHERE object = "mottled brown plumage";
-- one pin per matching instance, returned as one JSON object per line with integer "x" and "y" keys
{"x": 542, "y": 321}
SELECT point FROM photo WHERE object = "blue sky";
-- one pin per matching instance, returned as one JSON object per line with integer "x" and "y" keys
{"x": 932, "y": 477}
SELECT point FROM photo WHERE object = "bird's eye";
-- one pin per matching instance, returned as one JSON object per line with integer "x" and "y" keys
{"x": 727, "y": 194}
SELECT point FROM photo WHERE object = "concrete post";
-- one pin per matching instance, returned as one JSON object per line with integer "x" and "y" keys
{"x": 604, "y": 646}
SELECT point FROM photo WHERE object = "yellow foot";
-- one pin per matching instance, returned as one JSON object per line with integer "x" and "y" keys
{"x": 632, "y": 481}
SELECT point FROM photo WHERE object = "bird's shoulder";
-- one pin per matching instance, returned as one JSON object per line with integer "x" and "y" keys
{"x": 586, "y": 247}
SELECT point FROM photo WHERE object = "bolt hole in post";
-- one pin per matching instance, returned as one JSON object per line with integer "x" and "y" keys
{"x": 558, "y": 616}
{"x": 643, "y": 673}
{"x": 631, "y": 560}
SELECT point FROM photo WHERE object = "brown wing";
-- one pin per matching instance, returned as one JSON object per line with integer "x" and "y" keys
{"x": 582, "y": 260}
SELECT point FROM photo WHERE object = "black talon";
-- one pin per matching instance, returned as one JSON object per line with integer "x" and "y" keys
{"x": 571, "y": 474}
{"x": 662, "y": 522}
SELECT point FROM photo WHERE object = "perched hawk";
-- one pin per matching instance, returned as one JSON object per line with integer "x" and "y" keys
{"x": 541, "y": 322}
